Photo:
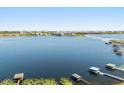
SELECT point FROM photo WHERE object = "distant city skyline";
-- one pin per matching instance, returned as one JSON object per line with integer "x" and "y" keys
{"x": 62, "y": 19}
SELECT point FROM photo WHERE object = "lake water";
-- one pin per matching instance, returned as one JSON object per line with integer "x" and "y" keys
{"x": 56, "y": 57}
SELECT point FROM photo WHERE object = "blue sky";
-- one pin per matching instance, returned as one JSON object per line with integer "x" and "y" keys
{"x": 67, "y": 19}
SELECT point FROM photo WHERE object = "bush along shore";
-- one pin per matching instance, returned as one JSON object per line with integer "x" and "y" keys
{"x": 42, "y": 81}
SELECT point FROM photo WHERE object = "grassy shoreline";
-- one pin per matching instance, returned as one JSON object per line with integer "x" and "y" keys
{"x": 41, "y": 81}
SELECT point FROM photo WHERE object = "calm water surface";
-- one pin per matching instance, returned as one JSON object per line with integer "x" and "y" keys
{"x": 56, "y": 57}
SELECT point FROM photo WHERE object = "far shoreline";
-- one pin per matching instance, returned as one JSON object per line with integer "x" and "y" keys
{"x": 55, "y": 33}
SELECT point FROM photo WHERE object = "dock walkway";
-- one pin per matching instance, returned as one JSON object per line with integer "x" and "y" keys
{"x": 86, "y": 82}
{"x": 117, "y": 68}
{"x": 96, "y": 70}
{"x": 113, "y": 76}
{"x": 113, "y": 67}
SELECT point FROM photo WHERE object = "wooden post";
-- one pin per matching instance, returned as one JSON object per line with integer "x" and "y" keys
{"x": 18, "y": 82}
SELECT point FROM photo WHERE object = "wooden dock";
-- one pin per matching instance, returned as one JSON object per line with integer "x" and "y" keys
{"x": 113, "y": 67}
{"x": 18, "y": 77}
{"x": 95, "y": 69}
{"x": 86, "y": 82}
{"x": 120, "y": 69}
{"x": 77, "y": 77}
{"x": 113, "y": 76}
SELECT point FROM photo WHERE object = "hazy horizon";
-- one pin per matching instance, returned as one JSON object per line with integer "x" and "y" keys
{"x": 59, "y": 31}
{"x": 62, "y": 19}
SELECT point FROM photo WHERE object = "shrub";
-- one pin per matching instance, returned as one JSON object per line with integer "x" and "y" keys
{"x": 39, "y": 82}
{"x": 65, "y": 81}
{"x": 7, "y": 82}
{"x": 48, "y": 82}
